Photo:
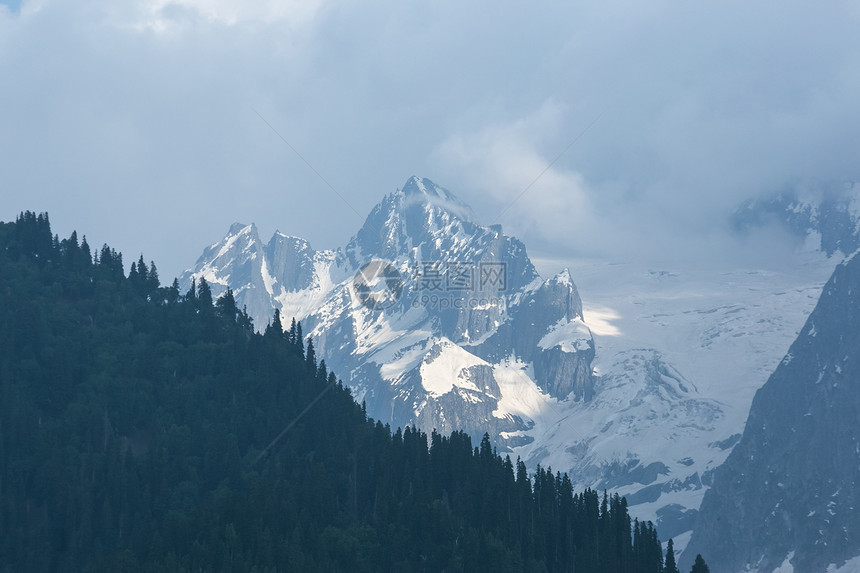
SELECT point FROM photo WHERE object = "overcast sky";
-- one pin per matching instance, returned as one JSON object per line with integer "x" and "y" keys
{"x": 137, "y": 122}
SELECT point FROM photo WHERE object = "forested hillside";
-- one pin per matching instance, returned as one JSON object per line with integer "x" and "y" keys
{"x": 145, "y": 429}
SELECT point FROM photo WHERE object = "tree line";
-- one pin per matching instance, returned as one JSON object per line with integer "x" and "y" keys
{"x": 147, "y": 429}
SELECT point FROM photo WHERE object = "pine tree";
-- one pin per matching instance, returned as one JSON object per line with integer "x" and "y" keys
{"x": 85, "y": 250}
{"x": 139, "y": 278}
{"x": 624, "y": 539}
{"x": 204, "y": 295}
{"x": 669, "y": 566}
{"x": 700, "y": 566}
{"x": 300, "y": 339}
{"x": 291, "y": 337}
{"x": 141, "y": 269}
{"x": 311, "y": 356}
{"x": 654, "y": 549}
{"x": 191, "y": 295}
{"x": 275, "y": 329}
{"x": 152, "y": 278}
{"x": 69, "y": 250}
{"x": 172, "y": 295}
{"x": 638, "y": 557}
{"x": 105, "y": 256}
{"x": 226, "y": 305}
{"x": 244, "y": 320}
{"x": 486, "y": 449}
{"x": 111, "y": 263}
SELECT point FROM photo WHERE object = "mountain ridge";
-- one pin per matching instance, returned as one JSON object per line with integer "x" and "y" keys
{"x": 463, "y": 285}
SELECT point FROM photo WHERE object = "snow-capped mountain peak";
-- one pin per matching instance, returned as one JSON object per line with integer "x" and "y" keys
{"x": 237, "y": 254}
{"x": 240, "y": 228}
{"x": 468, "y": 299}
{"x": 420, "y": 213}
{"x": 424, "y": 192}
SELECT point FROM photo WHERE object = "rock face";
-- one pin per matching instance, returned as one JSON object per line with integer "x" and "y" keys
{"x": 789, "y": 493}
{"x": 291, "y": 260}
{"x": 546, "y": 329}
{"x": 432, "y": 319}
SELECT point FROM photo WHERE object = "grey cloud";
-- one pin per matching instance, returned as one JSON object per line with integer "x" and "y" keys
{"x": 146, "y": 136}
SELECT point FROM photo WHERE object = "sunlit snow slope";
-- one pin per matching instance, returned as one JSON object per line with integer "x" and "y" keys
{"x": 681, "y": 351}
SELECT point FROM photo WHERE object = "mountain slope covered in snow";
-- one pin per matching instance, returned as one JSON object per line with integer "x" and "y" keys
{"x": 680, "y": 352}
{"x": 787, "y": 495}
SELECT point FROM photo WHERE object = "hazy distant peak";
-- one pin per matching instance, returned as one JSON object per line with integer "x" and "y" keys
{"x": 823, "y": 217}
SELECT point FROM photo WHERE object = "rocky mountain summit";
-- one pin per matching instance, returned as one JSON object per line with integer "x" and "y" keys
{"x": 433, "y": 319}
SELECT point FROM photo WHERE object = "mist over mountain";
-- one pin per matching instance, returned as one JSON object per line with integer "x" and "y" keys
{"x": 823, "y": 217}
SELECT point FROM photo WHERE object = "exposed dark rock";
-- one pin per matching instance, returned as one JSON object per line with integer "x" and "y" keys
{"x": 792, "y": 484}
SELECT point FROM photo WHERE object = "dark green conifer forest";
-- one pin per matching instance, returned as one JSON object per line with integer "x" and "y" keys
{"x": 147, "y": 429}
